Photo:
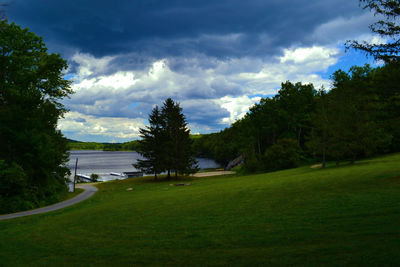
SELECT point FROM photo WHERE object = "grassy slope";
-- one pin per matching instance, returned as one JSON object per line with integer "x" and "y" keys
{"x": 341, "y": 215}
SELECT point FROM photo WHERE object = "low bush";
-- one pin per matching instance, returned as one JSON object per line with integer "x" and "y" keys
{"x": 284, "y": 154}
{"x": 94, "y": 177}
{"x": 16, "y": 194}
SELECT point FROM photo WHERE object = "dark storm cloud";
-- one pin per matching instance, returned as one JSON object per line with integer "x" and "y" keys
{"x": 160, "y": 28}
{"x": 204, "y": 112}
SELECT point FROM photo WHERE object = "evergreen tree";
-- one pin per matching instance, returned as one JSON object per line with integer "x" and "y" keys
{"x": 178, "y": 153}
{"x": 151, "y": 146}
{"x": 166, "y": 143}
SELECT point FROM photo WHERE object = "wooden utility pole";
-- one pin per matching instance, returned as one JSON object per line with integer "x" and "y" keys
{"x": 76, "y": 167}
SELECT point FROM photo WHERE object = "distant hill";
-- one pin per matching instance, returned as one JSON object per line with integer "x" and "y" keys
{"x": 127, "y": 146}
{"x": 73, "y": 141}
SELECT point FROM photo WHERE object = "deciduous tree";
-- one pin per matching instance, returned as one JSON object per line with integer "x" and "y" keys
{"x": 31, "y": 87}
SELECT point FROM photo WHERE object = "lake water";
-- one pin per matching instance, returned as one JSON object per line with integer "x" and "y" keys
{"x": 105, "y": 162}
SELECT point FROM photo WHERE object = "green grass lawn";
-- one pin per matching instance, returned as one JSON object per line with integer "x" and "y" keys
{"x": 346, "y": 215}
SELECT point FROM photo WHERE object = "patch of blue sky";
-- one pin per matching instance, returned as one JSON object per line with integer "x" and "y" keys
{"x": 133, "y": 104}
{"x": 69, "y": 76}
{"x": 349, "y": 59}
{"x": 262, "y": 95}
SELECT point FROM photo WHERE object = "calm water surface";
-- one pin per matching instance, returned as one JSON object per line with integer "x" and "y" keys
{"x": 105, "y": 162}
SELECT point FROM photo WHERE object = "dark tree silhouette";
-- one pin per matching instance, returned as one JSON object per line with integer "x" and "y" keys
{"x": 31, "y": 87}
{"x": 166, "y": 143}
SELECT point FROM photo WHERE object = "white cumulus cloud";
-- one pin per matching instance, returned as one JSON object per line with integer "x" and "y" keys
{"x": 81, "y": 126}
{"x": 237, "y": 106}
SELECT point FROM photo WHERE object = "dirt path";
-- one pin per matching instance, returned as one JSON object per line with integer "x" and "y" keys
{"x": 89, "y": 191}
{"x": 206, "y": 174}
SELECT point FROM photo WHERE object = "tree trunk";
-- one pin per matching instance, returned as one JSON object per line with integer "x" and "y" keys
{"x": 298, "y": 135}
{"x": 76, "y": 168}
{"x": 353, "y": 159}
{"x": 323, "y": 158}
{"x": 169, "y": 174}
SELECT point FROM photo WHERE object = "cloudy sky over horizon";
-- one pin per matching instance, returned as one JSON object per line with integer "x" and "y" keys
{"x": 215, "y": 57}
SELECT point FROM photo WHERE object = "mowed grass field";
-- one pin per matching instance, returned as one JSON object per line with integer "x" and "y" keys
{"x": 346, "y": 215}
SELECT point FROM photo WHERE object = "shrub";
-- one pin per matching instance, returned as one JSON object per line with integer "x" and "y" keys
{"x": 252, "y": 163}
{"x": 284, "y": 154}
{"x": 13, "y": 188}
{"x": 16, "y": 194}
{"x": 13, "y": 180}
{"x": 94, "y": 177}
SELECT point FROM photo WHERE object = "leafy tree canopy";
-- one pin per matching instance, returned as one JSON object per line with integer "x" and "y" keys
{"x": 31, "y": 87}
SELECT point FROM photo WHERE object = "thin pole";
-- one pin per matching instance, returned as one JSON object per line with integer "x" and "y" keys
{"x": 76, "y": 168}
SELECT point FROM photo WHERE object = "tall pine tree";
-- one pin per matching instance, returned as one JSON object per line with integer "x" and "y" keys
{"x": 178, "y": 156}
{"x": 166, "y": 143}
{"x": 151, "y": 145}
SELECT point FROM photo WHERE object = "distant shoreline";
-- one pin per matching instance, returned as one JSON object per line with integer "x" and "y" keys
{"x": 127, "y": 146}
{"x": 89, "y": 149}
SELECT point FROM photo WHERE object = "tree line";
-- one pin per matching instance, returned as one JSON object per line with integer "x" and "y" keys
{"x": 126, "y": 146}
{"x": 358, "y": 117}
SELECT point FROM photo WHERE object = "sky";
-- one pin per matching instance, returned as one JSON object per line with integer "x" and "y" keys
{"x": 216, "y": 58}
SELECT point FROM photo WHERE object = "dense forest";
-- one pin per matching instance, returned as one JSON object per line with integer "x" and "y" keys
{"x": 358, "y": 117}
